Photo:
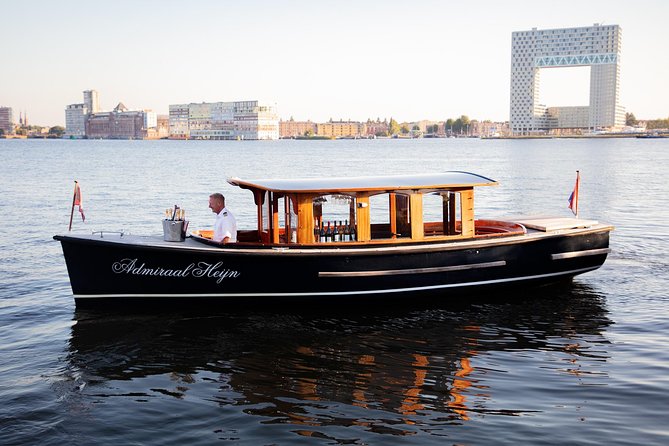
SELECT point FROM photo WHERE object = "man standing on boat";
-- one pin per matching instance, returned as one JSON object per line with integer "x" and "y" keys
{"x": 225, "y": 227}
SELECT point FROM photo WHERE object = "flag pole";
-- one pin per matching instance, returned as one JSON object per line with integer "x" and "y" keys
{"x": 578, "y": 186}
{"x": 74, "y": 198}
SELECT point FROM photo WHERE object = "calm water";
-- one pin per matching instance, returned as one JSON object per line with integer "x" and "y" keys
{"x": 585, "y": 363}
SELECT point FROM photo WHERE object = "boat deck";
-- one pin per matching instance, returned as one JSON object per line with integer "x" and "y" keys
{"x": 550, "y": 224}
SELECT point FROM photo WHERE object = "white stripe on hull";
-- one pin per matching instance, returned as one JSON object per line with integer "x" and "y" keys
{"x": 585, "y": 253}
{"x": 395, "y": 272}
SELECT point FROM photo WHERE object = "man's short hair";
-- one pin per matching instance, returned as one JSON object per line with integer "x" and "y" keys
{"x": 218, "y": 196}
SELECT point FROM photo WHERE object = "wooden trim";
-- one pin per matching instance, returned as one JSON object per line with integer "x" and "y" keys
{"x": 467, "y": 208}
{"x": 416, "y": 216}
{"x": 275, "y": 218}
{"x": 364, "y": 230}
{"x": 392, "y": 214}
{"x": 452, "y": 212}
{"x": 305, "y": 218}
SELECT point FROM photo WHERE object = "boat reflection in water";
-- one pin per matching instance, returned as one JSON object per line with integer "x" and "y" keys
{"x": 392, "y": 372}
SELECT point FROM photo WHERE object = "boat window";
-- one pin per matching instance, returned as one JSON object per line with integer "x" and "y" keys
{"x": 287, "y": 218}
{"x": 389, "y": 216}
{"x": 442, "y": 213}
{"x": 334, "y": 218}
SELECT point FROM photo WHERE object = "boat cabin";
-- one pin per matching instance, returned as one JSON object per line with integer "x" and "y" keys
{"x": 393, "y": 208}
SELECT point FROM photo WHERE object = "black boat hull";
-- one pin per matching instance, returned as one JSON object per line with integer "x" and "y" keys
{"x": 104, "y": 269}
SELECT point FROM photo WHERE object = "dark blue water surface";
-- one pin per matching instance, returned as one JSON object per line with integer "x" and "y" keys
{"x": 581, "y": 363}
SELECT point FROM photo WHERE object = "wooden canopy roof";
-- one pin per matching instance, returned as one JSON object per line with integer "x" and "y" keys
{"x": 444, "y": 180}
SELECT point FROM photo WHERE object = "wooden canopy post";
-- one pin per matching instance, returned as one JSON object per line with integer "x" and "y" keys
{"x": 259, "y": 199}
{"x": 416, "y": 216}
{"x": 275, "y": 217}
{"x": 452, "y": 212}
{"x": 305, "y": 218}
{"x": 364, "y": 230}
{"x": 467, "y": 206}
{"x": 444, "y": 212}
{"x": 392, "y": 214}
{"x": 287, "y": 217}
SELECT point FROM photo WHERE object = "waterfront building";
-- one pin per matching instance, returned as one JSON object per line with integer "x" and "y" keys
{"x": 75, "y": 121}
{"x": 76, "y": 115}
{"x": 342, "y": 129}
{"x": 162, "y": 126}
{"x": 122, "y": 123}
{"x": 597, "y": 47}
{"x": 91, "y": 101}
{"x": 85, "y": 120}
{"x": 292, "y": 129}
{"x": 223, "y": 120}
{"x": 6, "y": 120}
{"x": 178, "y": 121}
{"x": 376, "y": 128}
{"x": 489, "y": 129}
{"x": 255, "y": 121}
{"x": 577, "y": 117}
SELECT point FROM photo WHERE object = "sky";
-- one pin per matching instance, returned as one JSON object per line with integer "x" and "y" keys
{"x": 314, "y": 59}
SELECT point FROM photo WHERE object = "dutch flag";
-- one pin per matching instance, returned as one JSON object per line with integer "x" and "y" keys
{"x": 573, "y": 198}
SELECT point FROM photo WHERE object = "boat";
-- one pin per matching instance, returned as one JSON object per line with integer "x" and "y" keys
{"x": 393, "y": 235}
{"x": 653, "y": 135}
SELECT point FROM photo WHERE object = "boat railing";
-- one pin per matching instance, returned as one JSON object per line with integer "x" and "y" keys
{"x": 381, "y": 232}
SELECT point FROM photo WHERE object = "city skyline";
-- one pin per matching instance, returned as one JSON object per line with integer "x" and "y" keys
{"x": 349, "y": 60}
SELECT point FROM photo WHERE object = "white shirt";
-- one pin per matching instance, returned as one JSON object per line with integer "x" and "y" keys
{"x": 225, "y": 226}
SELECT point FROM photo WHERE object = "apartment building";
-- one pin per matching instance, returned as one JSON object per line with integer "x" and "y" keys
{"x": 223, "y": 120}
{"x": 597, "y": 47}
{"x": 76, "y": 115}
{"x": 341, "y": 129}
{"x": 75, "y": 121}
{"x": 6, "y": 120}
{"x": 292, "y": 129}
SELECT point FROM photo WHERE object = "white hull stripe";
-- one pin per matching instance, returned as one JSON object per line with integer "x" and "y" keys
{"x": 585, "y": 253}
{"x": 394, "y": 272}
{"x": 349, "y": 293}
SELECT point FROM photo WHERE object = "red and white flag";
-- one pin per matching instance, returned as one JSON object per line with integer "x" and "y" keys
{"x": 573, "y": 198}
{"x": 78, "y": 201}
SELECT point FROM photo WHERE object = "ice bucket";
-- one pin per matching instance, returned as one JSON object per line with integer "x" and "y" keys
{"x": 173, "y": 230}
